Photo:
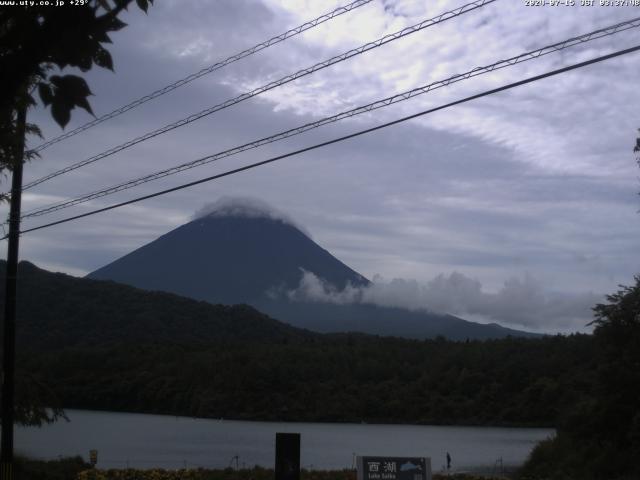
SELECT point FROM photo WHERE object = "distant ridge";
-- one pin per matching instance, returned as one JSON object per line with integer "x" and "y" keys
{"x": 57, "y": 311}
{"x": 245, "y": 252}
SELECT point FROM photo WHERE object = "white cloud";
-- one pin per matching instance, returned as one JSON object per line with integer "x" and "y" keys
{"x": 247, "y": 207}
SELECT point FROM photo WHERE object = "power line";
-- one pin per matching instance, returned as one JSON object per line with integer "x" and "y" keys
{"x": 340, "y": 139}
{"x": 603, "y": 32}
{"x": 284, "y": 80}
{"x": 205, "y": 71}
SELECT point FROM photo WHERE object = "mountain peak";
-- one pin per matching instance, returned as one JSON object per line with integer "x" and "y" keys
{"x": 245, "y": 207}
{"x": 236, "y": 250}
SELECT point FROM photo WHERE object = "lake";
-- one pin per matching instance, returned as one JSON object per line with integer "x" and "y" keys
{"x": 150, "y": 441}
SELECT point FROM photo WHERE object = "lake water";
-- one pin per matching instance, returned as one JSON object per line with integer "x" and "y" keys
{"x": 149, "y": 441}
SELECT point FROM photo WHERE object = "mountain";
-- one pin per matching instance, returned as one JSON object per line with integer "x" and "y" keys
{"x": 239, "y": 253}
{"x": 229, "y": 260}
{"x": 57, "y": 311}
{"x": 381, "y": 320}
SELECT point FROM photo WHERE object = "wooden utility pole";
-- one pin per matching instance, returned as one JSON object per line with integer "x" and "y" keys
{"x": 9, "y": 338}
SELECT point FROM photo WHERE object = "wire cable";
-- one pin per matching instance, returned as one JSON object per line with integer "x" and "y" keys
{"x": 205, "y": 71}
{"x": 282, "y": 81}
{"x": 340, "y": 139}
{"x": 603, "y": 32}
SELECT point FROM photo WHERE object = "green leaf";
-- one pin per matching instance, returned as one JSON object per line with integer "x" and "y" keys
{"x": 122, "y": 3}
{"x": 61, "y": 113}
{"x": 114, "y": 24}
{"x": 102, "y": 58}
{"x": 104, "y": 4}
{"x": 143, "y": 5}
{"x": 72, "y": 85}
{"x": 70, "y": 91}
{"x": 55, "y": 80}
{"x": 83, "y": 103}
{"x": 101, "y": 37}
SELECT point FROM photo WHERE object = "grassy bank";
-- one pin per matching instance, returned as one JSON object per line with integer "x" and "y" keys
{"x": 76, "y": 469}
{"x": 256, "y": 473}
{"x": 62, "y": 469}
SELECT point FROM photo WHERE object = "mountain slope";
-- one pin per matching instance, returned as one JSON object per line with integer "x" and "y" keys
{"x": 380, "y": 320}
{"x": 227, "y": 260}
{"x": 59, "y": 311}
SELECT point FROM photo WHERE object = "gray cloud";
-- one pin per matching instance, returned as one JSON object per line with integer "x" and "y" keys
{"x": 520, "y": 303}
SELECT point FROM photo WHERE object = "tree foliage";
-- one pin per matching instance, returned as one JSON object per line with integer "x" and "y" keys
{"x": 37, "y": 43}
{"x": 336, "y": 378}
{"x": 69, "y": 468}
{"x": 600, "y": 437}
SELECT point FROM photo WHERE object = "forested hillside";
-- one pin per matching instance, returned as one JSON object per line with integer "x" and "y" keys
{"x": 331, "y": 378}
{"x": 60, "y": 311}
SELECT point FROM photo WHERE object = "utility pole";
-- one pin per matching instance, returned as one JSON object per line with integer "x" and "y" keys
{"x": 9, "y": 338}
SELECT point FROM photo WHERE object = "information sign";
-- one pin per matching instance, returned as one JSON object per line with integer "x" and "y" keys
{"x": 394, "y": 468}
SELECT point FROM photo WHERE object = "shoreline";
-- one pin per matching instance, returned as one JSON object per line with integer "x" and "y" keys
{"x": 505, "y": 425}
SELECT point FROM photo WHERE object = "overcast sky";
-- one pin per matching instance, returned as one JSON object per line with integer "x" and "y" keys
{"x": 520, "y": 208}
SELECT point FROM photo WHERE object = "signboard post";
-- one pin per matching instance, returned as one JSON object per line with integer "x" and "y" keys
{"x": 93, "y": 457}
{"x": 287, "y": 456}
{"x": 394, "y": 468}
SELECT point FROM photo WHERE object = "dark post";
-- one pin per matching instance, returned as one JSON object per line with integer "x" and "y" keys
{"x": 287, "y": 456}
{"x": 9, "y": 340}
